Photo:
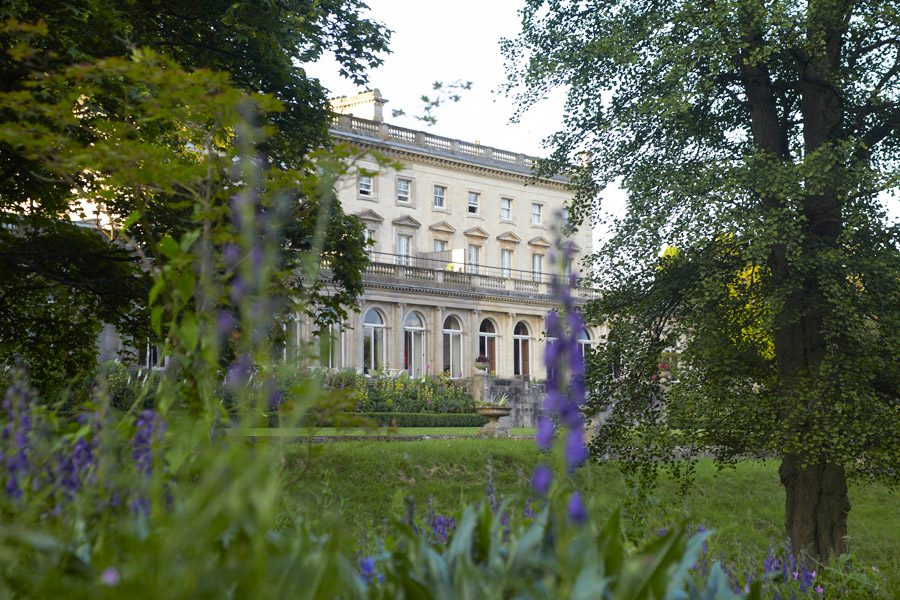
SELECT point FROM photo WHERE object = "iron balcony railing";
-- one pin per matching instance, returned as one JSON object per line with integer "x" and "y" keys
{"x": 439, "y": 269}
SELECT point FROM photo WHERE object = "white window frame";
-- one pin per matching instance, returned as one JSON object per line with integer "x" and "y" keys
{"x": 506, "y": 262}
{"x": 536, "y": 213}
{"x": 521, "y": 348}
{"x": 487, "y": 344}
{"x": 440, "y": 245}
{"x": 537, "y": 266}
{"x": 335, "y": 336}
{"x": 506, "y": 209}
{"x": 404, "y": 249}
{"x": 401, "y": 197}
{"x": 413, "y": 336}
{"x": 365, "y": 186}
{"x": 372, "y": 333}
{"x": 442, "y": 196}
{"x": 473, "y": 258}
{"x": 452, "y": 346}
{"x": 476, "y": 197}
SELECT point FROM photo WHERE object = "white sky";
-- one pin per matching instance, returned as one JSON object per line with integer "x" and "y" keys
{"x": 448, "y": 41}
{"x": 437, "y": 40}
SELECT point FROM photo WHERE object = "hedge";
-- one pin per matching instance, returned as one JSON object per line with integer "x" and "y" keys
{"x": 388, "y": 419}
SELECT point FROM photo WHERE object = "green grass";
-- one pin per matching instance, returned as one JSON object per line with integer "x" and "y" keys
{"x": 357, "y": 487}
{"x": 301, "y": 432}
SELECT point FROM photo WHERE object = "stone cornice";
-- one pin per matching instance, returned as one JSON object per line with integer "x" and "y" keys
{"x": 424, "y": 157}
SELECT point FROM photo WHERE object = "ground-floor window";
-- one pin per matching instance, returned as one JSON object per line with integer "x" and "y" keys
{"x": 487, "y": 344}
{"x": 584, "y": 342}
{"x": 414, "y": 345}
{"x": 452, "y": 342}
{"x": 521, "y": 358}
{"x": 373, "y": 341}
{"x": 331, "y": 343}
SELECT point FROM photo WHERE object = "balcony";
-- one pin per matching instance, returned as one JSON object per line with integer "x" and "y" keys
{"x": 439, "y": 271}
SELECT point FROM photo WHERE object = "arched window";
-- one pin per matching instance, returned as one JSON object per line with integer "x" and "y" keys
{"x": 521, "y": 355}
{"x": 452, "y": 347}
{"x": 414, "y": 345}
{"x": 584, "y": 342}
{"x": 487, "y": 344}
{"x": 373, "y": 341}
{"x": 331, "y": 342}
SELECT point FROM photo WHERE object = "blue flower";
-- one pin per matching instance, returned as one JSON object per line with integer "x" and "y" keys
{"x": 544, "y": 433}
{"x": 576, "y": 452}
{"x": 577, "y": 512}
{"x": 541, "y": 479}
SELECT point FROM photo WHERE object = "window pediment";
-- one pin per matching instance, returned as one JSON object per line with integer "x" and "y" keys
{"x": 476, "y": 232}
{"x": 510, "y": 237}
{"x": 370, "y": 215}
{"x": 406, "y": 221}
{"x": 539, "y": 242}
{"x": 442, "y": 227}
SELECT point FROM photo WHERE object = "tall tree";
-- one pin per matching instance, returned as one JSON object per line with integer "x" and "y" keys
{"x": 260, "y": 45}
{"x": 759, "y": 141}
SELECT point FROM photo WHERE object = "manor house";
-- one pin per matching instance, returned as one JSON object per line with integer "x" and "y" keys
{"x": 460, "y": 265}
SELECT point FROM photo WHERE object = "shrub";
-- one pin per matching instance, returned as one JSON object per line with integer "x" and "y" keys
{"x": 124, "y": 385}
{"x": 398, "y": 419}
{"x": 437, "y": 394}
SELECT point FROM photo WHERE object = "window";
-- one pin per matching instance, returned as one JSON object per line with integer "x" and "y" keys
{"x": 474, "y": 198}
{"x": 474, "y": 258}
{"x": 487, "y": 344}
{"x": 567, "y": 267}
{"x": 369, "y": 236}
{"x": 537, "y": 264}
{"x": 365, "y": 185}
{"x": 373, "y": 342}
{"x": 404, "y": 249}
{"x": 440, "y": 245}
{"x": 521, "y": 359}
{"x": 330, "y": 345}
{"x": 414, "y": 345}
{"x": 565, "y": 218}
{"x": 440, "y": 193}
{"x": 403, "y": 187}
{"x": 506, "y": 263}
{"x": 584, "y": 342}
{"x": 506, "y": 209}
{"x": 536, "y": 214}
{"x": 452, "y": 343}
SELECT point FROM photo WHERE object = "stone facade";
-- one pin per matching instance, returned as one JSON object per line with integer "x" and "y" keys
{"x": 461, "y": 257}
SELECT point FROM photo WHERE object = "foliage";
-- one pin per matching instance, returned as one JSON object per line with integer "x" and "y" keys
{"x": 754, "y": 139}
{"x": 398, "y": 419}
{"x": 158, "y": 503}
{"x": 127, "y": 388}
{"x": 438, "y": 394}
{"x": 90, "y": 275}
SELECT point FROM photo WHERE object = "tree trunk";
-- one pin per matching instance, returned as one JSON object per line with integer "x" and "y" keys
{"x": 816, "y": 507}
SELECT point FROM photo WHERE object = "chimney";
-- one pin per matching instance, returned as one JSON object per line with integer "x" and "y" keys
{"x": 366, "y": 105}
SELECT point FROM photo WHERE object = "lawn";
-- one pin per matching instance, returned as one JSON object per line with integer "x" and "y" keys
{"x": 357, "y": 487}
{"x": 302, "y": 432}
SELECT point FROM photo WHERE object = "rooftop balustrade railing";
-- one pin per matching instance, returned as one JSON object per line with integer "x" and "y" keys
{"x": 440, "y": 268}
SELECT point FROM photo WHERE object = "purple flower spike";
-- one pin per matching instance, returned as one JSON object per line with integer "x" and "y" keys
{"x": 541, "y": 479}
{"x": 544, "y": 433}
{"x": 225, "y": 323}
{"x": 239, "y": 371}
{"x": 110, "y": 577}
{"x": 576, "y": 452}
{"x": 577, "y": 512}
{"x": 231, "y": 255}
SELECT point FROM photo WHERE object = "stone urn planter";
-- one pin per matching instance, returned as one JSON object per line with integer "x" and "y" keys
{"x": 494, "y": 412}
{"x": 481, "y": 363}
